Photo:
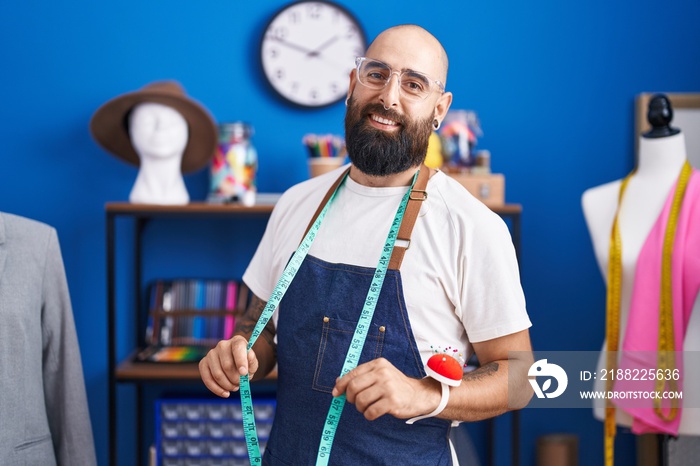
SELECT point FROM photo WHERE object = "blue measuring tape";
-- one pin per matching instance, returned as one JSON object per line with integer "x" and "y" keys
{"x": 358, "y": 340}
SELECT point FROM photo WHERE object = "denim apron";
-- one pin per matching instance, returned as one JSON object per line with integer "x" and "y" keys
{"x": 317, "y": 319}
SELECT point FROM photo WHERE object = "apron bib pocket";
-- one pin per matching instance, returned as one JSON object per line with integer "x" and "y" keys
{"x": 336, "y": 336}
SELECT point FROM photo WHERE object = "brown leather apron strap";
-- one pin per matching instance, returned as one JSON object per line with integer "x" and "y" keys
{"x": 324, "y": 202}
{"x": 416, "y": 197}
{"x": 415, "y": 200}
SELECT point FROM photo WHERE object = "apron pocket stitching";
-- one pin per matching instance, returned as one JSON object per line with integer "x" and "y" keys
{"x": 322, "y": 349}
{"x": 380, "y": 345}
{"x": 317, "y": 383}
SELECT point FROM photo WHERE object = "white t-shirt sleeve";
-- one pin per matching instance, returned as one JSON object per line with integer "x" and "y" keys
{"x": 282, "y": 234}
{"x": 491, "y": 294}
{"x": 260, "y": 283}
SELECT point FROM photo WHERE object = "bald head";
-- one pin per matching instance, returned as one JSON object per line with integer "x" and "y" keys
{"x": 413, "y": 43}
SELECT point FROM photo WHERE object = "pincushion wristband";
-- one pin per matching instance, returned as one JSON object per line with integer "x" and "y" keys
{"x": 441, "y": 406}
{"x": 446, "y": 370}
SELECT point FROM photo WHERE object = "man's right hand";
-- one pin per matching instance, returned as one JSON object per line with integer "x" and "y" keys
{"x": 222, "y": 367}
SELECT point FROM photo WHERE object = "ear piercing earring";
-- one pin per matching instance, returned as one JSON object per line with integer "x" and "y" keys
{"x": 436, "y": 124}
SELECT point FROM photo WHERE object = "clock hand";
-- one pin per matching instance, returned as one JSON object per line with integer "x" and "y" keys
{"x": 334, "y": 64}
{"x": 316, "y": 53}
{"x": 292, "y": 45}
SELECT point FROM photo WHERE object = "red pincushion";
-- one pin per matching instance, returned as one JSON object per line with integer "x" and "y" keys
{"x": 445, "y": 368}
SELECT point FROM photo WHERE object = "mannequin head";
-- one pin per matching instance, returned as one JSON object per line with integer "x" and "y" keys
{"x": 157, "y": 132}
{"x": 161, "y": 130}
{"x": 120, "y": 127}
{"x": 659, "y": 116}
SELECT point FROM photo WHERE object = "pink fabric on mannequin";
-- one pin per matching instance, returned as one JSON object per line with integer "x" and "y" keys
{"x": 640, "y": 342}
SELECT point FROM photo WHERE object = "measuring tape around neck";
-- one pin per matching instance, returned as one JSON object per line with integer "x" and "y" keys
{"x": 358, "y": 339}
{"x": 666, "y": 343}
{"x": 290, "y": 271}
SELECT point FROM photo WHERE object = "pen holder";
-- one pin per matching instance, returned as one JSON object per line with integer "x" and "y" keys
{"x": 320, "y": 165}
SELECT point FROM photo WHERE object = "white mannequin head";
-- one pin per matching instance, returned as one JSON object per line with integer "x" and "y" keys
{"x": 159, "y": 136}
{"x": 157, "y": 130}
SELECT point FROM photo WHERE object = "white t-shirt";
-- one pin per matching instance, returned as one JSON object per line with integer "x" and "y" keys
{"x": 460, "y": 275}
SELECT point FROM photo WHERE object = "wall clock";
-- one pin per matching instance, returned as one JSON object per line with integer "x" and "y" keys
{"x": 308, "y": 50}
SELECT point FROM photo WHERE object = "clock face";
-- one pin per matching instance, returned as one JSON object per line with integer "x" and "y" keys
{"x": 308, "y": 51}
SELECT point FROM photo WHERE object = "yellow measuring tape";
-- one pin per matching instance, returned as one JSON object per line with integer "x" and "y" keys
{"x": 666, "y": 346}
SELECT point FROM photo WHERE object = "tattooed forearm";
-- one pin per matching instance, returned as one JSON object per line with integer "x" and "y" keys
{"x": 244, "y": 328}
{"x": 246, "y": 323}
{"x": 255, "y": 309}
{"x": 253, "y": 313}
{"x": 265, "y": 347}
{"x": 482, "y": 372}
{"x": 269, "y": 336}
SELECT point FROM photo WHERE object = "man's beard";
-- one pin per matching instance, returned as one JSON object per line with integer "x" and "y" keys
{"x": 381, "y": 153}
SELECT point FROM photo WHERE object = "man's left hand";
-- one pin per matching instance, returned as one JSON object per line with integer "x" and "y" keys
{"x": 377, "y": 388}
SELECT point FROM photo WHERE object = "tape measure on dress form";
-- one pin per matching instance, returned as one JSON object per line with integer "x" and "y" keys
{"x": 666, "y": 345}
{"x": 358, "y": 339}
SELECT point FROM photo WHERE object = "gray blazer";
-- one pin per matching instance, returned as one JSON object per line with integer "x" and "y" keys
{"x": 44, "y": 418}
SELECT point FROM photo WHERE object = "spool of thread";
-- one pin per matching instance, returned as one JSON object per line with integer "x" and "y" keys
{"x": 557, "y": 450}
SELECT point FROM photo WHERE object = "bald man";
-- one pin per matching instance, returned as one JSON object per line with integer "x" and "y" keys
{"x": 456, "y": 290}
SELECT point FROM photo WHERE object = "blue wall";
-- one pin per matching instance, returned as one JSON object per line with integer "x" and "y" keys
{"x": 553, "y": 84}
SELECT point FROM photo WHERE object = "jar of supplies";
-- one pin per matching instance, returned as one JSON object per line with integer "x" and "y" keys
{"x": 234, "y": 165}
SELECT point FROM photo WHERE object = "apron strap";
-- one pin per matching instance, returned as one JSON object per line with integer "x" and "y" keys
{"x": 325, "y": 201}
{"x": 418, "y": 195}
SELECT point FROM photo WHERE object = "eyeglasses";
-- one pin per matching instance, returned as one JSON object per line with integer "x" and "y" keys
{"x": 376, "y": 74}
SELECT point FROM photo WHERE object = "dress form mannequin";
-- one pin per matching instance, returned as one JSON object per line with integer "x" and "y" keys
{"x": 661, "y": 156}
{"x": 159, "y": 135}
